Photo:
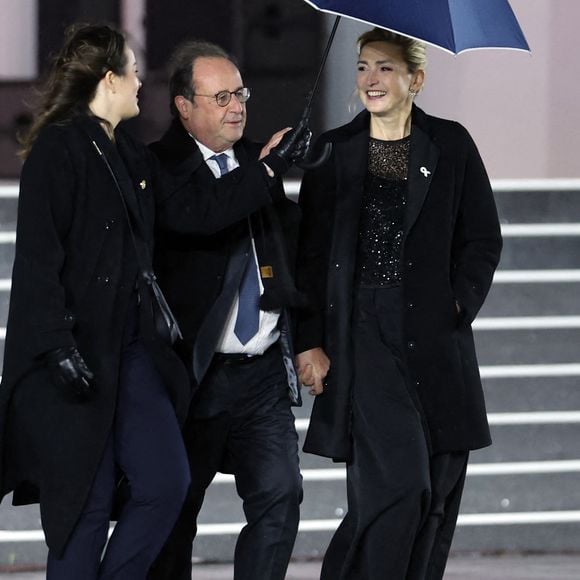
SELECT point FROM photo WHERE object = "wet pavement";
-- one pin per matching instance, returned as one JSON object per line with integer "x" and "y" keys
{"x": 464, "y": 567}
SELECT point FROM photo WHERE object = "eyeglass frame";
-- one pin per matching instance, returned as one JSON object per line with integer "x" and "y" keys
{"x": 238, "y": 92}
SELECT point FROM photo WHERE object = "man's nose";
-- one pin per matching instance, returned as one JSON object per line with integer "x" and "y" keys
{"x": 235, "y": 104}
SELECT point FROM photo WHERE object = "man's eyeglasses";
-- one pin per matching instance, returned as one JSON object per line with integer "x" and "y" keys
{"x": 223, "y": 98}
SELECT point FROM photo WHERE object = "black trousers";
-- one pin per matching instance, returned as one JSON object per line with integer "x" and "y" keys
{"x": 241, "y": 423}
{"x": 402, "y": 503}
{"x": 146, "y": 444}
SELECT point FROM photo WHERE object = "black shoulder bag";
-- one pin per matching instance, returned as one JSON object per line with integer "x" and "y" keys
{"x": 150, "y": 294}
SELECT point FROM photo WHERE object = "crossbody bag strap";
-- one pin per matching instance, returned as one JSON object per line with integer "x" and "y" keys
{"x": 144, "y": 268}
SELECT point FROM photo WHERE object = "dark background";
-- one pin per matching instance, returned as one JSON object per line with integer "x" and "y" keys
{"x": 277, "y": 44}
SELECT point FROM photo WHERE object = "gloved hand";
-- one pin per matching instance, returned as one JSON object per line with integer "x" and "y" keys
{"x": 70, "y": 370}
{"x": 293, "y": 147}
{"x": 294, "y": 144}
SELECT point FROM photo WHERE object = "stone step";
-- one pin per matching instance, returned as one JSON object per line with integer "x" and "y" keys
{"x": 497, "y": 494}
{"x": 527, "y": 346}
{"x": 538, "y": 538}
{"x": 540, "y": 252}
{"x": 6, "y": 259}
{"x": 509, "y": 395}
{"x": 537, "y": 206}
{"x": 511, "y": 443}
{"x": 8, "y": 212}
{"x": 529, "y": 394}
{"x": 532, "y": 299}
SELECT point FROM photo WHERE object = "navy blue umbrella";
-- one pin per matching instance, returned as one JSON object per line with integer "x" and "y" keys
{"x": 452, "y": 25}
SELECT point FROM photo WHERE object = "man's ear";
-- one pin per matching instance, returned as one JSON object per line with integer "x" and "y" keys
{"x": 182, "y": 105}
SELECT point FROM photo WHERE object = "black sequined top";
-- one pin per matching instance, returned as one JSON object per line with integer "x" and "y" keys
{"x": 382, "y": 216}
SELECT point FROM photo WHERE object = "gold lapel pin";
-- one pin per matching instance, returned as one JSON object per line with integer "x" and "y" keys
{"x": 266, "y": 271}
{"x": 143, "y": 184}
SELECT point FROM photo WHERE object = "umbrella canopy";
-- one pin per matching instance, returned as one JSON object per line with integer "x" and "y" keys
{"x": 453, "y": 25}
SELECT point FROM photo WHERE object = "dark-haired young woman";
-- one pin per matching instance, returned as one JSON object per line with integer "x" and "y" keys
{"x": 89, "y": 394}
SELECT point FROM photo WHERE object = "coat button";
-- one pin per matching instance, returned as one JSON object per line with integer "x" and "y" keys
{"x": 331, "y": 306}
{"x": 410, "y": 305}
{"x": 68, "y": 317}
{"x": 337, "y": 266}
{"x": 410, "y": 263}
{"x": 411, "y": 344}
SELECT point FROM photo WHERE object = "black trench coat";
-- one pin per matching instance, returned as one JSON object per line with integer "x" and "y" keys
{"x": 451, "y": 248}
{"x": 73, "y": 279}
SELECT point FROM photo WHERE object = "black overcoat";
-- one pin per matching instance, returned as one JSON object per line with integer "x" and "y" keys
{"x": 191, "y": 268}
{"x": 451, "y": 248}
{"x": 74, "y": 276}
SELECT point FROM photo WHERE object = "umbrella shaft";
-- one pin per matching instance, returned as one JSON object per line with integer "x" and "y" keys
{"x": 324, "y": 57}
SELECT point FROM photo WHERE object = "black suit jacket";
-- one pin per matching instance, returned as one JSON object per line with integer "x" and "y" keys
{"x": 191, "y": 268}
{"x": 451, "y": 248}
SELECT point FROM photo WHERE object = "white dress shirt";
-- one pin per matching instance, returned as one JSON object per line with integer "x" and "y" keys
{"x": 268, "y": 332}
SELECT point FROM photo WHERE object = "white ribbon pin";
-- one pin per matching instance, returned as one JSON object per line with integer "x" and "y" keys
{"x": 425, "y": 171}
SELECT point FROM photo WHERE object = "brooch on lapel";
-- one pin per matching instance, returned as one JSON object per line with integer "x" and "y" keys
{"x": 143, "y": 184}
{"x": 266, "y": 271}
{"x": 425, "y": 171}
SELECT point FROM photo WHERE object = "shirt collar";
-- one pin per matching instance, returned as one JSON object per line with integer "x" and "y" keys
{"x": 207, "y": 152}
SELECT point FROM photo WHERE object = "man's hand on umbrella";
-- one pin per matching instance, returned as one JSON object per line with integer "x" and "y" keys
{"x": 273, "y": 141}
{"x": 294, "y": 143}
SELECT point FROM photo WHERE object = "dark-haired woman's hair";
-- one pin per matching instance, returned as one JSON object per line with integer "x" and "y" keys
{"x": 88, "y": 52}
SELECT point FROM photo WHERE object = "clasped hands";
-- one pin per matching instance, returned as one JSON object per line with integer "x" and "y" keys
{"x": 313, "y": 366}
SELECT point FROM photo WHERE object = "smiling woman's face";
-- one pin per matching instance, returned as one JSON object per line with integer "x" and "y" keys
{"x": 383, "y": 79}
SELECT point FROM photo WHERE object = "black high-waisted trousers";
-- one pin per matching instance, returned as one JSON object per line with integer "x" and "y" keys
{"x": 402, "y": 503}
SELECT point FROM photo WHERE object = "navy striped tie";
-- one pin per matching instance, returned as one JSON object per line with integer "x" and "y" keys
{"x": 248, "y": 319}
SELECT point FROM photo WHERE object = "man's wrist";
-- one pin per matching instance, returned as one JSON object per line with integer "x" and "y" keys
{"x": 276, "y": 164}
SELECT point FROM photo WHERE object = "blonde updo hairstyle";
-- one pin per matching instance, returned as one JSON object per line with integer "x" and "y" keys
{"x": 414, "y": 51}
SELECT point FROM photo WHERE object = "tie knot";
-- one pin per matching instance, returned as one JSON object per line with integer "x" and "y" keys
{"x": 222, "y": 161}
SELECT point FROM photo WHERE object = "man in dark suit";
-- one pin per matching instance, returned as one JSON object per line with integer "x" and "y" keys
{"x": 230, "y": 293}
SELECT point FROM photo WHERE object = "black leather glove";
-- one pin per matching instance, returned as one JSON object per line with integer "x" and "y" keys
{"x": 293, "y": 147}
{"x": 70, "y": 370}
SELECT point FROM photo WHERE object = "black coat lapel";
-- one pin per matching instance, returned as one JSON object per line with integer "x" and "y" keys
{"x": 213, "y": 324}
{"x": 351, "y": 164}
{"x": 422, "y": 165}
{"x": 111, "y": 159}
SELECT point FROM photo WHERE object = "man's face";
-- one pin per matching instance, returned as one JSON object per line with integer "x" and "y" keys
{"x": 216, "y": 127}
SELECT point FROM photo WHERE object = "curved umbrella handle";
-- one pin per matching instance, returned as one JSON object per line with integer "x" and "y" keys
{"x": 309, "y": 163}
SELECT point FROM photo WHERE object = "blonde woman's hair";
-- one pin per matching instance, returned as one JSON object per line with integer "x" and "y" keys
{"x": 414, "y": 51}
